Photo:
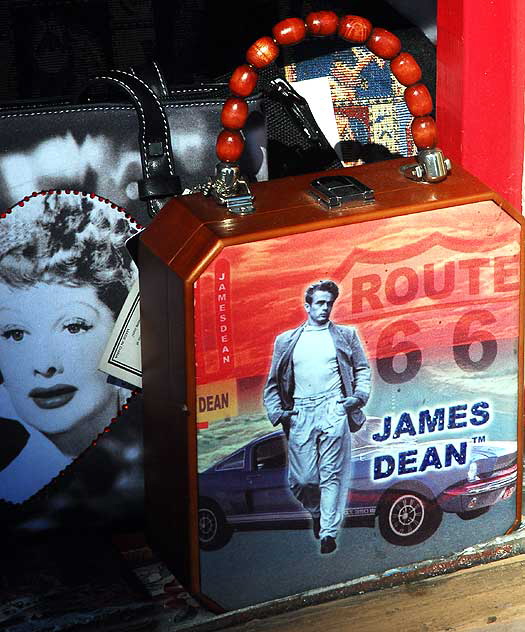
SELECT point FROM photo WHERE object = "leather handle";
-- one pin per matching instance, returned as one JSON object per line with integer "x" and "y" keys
{"x": 160, "y": 181}
{"x": 353, "y": 29}
{"x": 151, "y": 73}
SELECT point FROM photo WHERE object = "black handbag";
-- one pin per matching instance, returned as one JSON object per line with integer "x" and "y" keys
{"x": 93, "y": 146}
{"x": 75, "y": 159}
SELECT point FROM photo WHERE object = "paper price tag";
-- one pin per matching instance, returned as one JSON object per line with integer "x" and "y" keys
{"x": 122, "y": 356}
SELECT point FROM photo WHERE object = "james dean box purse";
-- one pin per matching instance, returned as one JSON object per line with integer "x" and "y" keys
{"x": 332, "y": 362}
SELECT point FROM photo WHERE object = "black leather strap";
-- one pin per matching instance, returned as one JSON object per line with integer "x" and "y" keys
{"x": 160, "y": 181}
{"x": 153, "y": 76}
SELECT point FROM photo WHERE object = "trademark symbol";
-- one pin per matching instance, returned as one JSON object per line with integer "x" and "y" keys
{"x": 479, "y": 439}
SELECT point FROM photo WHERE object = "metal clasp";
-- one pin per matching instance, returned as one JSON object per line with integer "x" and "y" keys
{"x": 297, "y": 107}
{"x": 230, "y": 189}
{"x": 431, "y": 166}
{"x": 333, "y": 191}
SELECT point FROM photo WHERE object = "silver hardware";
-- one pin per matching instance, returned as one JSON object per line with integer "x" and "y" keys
{"x": 431, "y": 167}
{"x": 334, "y": 191}
{"x": 230, "y": 189}
{"x": 204, "y": 188}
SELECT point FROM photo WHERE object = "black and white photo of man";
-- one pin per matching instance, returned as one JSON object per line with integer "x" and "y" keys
{"x": 319, "y": 380}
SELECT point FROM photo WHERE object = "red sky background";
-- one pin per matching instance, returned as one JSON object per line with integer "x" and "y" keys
{"x": 268, "y": 280}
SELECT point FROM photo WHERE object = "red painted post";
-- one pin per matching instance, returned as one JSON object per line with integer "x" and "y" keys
{"x": 481, "y": 88}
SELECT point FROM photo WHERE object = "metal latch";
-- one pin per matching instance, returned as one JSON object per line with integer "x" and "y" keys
{"x": 230, "y": 189}
{"x": 431, "y": 166}
{"x": 334, "y": 191}
{"x": 297, "y": 107}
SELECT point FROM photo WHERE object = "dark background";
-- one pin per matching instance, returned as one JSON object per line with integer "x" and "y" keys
{"x": 50, "y": 47}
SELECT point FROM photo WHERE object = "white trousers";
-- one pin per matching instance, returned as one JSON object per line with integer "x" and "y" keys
{"x": 319, "y": 454}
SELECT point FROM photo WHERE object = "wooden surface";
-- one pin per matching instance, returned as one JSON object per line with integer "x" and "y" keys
{"x": 86, "y": 581}
{"x": 488, "y": 597}
{"x": 190, "y": 231}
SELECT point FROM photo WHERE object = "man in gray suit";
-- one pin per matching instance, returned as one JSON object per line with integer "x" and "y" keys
{"x": 319, "y": 380}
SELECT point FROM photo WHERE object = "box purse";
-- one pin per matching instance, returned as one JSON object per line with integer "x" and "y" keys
{"x": 411, "y": 274}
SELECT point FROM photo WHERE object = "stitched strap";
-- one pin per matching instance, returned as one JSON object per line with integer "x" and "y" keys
{"x": 152, "y": 75}
{"x": 160, "y": 181}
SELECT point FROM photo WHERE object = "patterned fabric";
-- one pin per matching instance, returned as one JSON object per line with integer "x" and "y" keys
{"x": 367, "y": 99}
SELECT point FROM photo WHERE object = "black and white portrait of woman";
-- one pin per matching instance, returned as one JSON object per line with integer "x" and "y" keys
{"x": 64, "y": 275}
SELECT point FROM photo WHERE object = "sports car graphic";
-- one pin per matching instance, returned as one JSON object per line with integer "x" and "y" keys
{"x": 249, "y": 489}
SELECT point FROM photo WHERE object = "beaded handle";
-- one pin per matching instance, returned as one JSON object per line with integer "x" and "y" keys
{"x": 353, "y": 29}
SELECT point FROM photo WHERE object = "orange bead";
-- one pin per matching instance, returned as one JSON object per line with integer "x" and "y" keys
{"x": 322, "y": 23}
{"x": 234, "y": 113}
{"x": 243, "y": 80}
{"x": 354, "y": 28}
{"x": 230, "y": 146}
{"x": 418, "y": 100}
{"x": 384, "y": 44}
{"x": 262, "y": 52}
{"x": 290, "y": 31}
{"x": 424, "y": 132}
{"x": 405, "y": 69}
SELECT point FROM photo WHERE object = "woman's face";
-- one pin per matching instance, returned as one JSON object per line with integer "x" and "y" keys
{"x": 51, "y": 340}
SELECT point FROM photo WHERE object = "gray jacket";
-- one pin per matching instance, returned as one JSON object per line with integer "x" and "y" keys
{"x": 353, "y": 367}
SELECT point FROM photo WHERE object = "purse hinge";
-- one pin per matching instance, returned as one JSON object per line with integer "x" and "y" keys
{"x": 431, "y": 167}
